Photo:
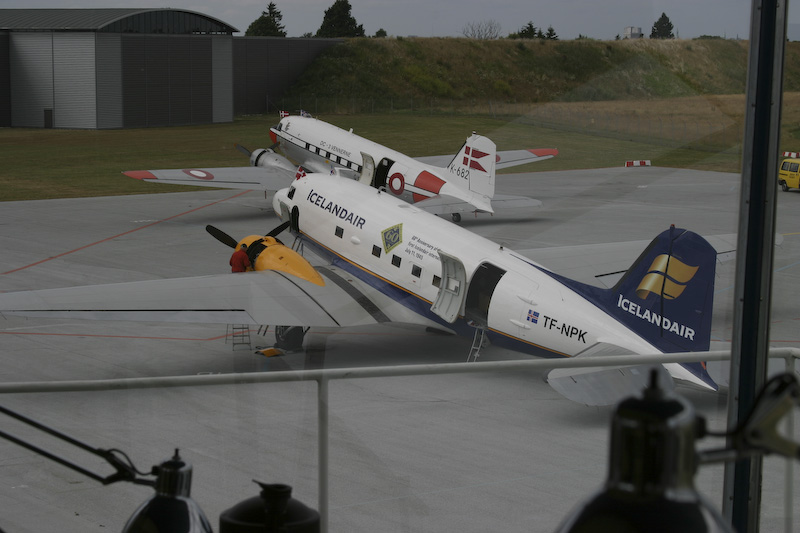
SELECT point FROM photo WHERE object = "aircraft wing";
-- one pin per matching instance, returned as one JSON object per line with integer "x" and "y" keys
{"x": 265, "y": 297}
{"x": 447, "y": 205}
{"x": 262, "y": 178}
{"x": 505, "y": 159}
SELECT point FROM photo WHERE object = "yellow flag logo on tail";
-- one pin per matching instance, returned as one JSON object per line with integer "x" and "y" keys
{"x": 666, "y": 273}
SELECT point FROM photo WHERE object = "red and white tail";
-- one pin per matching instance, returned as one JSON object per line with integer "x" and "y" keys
{"x": 474, "y": 166}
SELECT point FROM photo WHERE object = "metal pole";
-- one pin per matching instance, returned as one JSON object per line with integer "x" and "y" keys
{"x": 322, "y": 444}
{"x": 788, "y": 480}
{"x": 742, "y": 486}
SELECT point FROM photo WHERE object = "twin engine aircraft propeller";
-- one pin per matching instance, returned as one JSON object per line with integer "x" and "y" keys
{"x": 269, "y": 253}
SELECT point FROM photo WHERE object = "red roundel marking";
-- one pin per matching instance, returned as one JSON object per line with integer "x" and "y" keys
{"x": 199, "y": 174}
{"x": 397, "y": 184}
{"x": 429, "y": 182}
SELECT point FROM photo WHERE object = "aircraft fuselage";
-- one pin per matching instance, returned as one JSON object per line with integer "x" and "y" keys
{"x": 398, "y": 248}
{"x": 325, "y": 148}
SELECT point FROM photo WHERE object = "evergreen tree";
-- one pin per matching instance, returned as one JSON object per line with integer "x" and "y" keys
{"x": 551, "y": 34}
{"x": 268, "y": 24}
{"x": 338, "y": 22}
{"x": 528, "y": 31}
{"x": 662, "y": 28}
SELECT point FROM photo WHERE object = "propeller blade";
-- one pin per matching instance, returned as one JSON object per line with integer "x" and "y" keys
{"x": 242, "y": 149}
{"x": 278, "y": 229}
{"x": 221, "y": 236}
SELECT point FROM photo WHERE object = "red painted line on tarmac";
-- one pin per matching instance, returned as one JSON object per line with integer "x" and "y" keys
{"x": 110, "y": 336}
{"x": 124, "y": 233}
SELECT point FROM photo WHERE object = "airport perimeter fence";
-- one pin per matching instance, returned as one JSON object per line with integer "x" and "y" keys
{"x": 719, "y": 133}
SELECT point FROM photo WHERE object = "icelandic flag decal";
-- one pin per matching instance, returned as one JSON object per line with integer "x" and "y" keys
{"x": 533, "y": 316}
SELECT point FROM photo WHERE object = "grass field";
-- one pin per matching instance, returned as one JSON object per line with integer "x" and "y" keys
{"x": 38, "y": 163}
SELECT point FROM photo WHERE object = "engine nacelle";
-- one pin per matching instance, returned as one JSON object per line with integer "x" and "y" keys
{"x": 266, "y": 158}
{"x": 268, "y": 253}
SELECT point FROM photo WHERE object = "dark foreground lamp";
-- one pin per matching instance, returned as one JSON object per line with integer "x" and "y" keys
{"x": 171, "y": 510}
{"x": 652, "y": 462}
{"x": 272, "y": 511}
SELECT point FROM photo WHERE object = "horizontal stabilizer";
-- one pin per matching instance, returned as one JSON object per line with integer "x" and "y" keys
{"x": 604, "y": 385}
{"x": 513, "y": 158}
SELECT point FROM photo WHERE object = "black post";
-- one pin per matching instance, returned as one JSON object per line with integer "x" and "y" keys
{"x": 750, "y": 343}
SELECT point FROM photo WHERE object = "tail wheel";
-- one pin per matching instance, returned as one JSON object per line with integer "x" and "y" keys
{"x": 289, "y": 338}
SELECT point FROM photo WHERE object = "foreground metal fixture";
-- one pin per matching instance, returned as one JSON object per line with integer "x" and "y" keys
{"x": 170, "y": 510}
{"x": 653, "y": 461}
{"x": 272, "y": 511}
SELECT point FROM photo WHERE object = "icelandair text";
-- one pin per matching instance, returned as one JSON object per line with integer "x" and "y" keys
{"x": 335, "y": 209}
{"x": 655, "y": 318}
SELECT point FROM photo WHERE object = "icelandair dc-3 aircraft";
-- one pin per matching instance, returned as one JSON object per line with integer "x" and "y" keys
{"x": 464, "y": 183}
{"x": 386, "y": 260}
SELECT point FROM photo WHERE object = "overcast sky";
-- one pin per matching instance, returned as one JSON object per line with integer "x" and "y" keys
{"x": 443, "y": 18}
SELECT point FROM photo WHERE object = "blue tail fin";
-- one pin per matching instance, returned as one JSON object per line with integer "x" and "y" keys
{"x": 667, "y": 295}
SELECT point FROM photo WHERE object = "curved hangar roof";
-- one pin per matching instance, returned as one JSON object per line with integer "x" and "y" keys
{"x": 113, "y": 20}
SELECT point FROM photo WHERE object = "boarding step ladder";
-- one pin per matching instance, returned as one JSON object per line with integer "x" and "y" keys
{"x": 299, "y": 245}
{"x": 239, "y": 334}
{"x": 478, "y": 342}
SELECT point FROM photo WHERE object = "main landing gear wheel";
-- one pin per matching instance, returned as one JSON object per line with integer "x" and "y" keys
{"x": 289, "y": 338}
{"x": 784, "y": 187}
{"x": 456, "y": 217}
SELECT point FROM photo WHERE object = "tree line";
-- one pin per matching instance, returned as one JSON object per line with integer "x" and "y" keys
{"x": 339, "y": 22}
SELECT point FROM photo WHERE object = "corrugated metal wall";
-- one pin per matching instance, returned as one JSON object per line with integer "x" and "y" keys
{"x": 222, "y": 79}
{"x": 265, "y": 67}
{"x": 108, "y": 52}
{"x": 5, "y": 82}
{"x": 201, "y": 71}
{"x": 74, "y": 83}
{"x": 168, "y": 80}
{"x": 31, "y": 60}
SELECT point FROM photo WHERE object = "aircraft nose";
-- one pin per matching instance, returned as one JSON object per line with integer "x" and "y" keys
{"x": 281, "y": 197}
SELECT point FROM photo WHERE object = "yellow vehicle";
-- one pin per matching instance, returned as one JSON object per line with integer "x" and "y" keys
{"x": 789, "y": 174}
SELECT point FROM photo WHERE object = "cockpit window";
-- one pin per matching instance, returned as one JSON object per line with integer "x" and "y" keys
{"x": 291, "y": 193}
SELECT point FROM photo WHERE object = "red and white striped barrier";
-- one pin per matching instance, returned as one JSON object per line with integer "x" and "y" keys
{"x": 791, "y": 154}
{"x": 639, "y": 163}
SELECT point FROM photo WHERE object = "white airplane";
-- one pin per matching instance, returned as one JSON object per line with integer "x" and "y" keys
{"x": 385, "y": 260}
{"x": 452, "y": 185}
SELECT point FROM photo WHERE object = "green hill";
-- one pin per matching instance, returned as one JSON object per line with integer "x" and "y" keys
{"x": 531, "y": 71}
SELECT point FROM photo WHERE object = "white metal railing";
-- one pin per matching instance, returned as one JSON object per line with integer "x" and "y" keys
{"x": 323, "y": 376}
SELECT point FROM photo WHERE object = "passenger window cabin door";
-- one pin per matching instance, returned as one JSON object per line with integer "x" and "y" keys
{"x": 452, "y": 289}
